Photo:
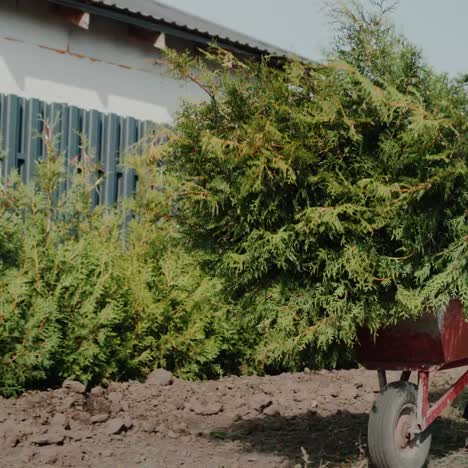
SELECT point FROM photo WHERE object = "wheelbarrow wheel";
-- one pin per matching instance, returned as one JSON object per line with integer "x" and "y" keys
{"x": 391, "y": 443}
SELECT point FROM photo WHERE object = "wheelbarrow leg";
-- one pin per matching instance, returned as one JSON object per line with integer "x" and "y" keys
{"x": 465, "y": 413}
{"x": 427, "y": 415}
{"x": 423, "y": 399}
{"x": 382, "y": 379}
{"x": 405, "y": 375}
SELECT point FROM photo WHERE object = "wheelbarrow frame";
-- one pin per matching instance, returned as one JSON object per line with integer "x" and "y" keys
{"x": 426, "y": 413}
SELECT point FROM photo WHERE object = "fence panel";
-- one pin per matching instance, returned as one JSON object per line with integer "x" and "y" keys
{"x": 105, "y": 136}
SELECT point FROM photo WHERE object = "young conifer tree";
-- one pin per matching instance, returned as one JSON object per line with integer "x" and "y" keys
{"x": 87, "y": 293}
{"x": 330, "y": 196}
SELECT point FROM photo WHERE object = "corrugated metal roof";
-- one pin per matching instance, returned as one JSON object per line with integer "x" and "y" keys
{"x": 188, "y": 22}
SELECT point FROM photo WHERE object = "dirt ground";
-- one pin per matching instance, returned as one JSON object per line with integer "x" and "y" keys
{"x": 292, "y": 420}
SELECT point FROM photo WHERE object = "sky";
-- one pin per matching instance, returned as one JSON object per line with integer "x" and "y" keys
{"x": 438, "y": 27}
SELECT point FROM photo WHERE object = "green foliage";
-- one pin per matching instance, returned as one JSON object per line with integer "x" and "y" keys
{"x": 328, "y": 196}
{"x": 78, "y": 299}
{"x": 298, "y": 203}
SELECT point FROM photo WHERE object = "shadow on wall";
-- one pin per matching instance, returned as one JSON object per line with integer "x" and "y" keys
{"x": 44, "y": 58}
{"x": 30, "y": 71}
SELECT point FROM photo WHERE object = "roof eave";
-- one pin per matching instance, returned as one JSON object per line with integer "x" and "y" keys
{"x": 153, "y": 24}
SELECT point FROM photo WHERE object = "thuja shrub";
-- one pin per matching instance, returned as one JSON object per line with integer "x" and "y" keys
{"x": 103, "y": 293}
{"x": 298, "y": 203}
{"x": 328, "y": 196}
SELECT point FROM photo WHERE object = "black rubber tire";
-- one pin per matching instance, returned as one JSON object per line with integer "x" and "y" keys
{"x": 394, "y": 399}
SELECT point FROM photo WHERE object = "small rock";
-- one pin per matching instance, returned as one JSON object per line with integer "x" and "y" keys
{"x": 140, "y": 458}
{"x": 27, "y": 427}
{"x": 348, "y": 391}
{"x": 9, "y": 434}
{"x": 59, "y": 420}
{"x": 115, "y": 426}
{"x": 139, "y": 392}
{"x": 74, "y": 386}
{"x": 66, "y": 404}
{"x": 260, "y": 402}
{"x": 84, "y": 433}
{"x": 203, "y": 407}
{"x": 116, "y": 386}
{"x": 333, "y": 390}
{"x": 77, "y": 435}
{"x": 313, "y": 404}
{"x": 97, "y": 391}
{"x": 116, "y": 401}
{"x": 128, "y": 423}
{"x": 49, "y": 455}
{"x": 99, "y": 418}
{"x": 118, "y": 425}
{"x": 11, "y": 440}
{"x": 272, "y": 410}
{"x": 124, "y": 405}
{"x": 80, "y": 417}
{"x": 179, "y": 403}
{"x": 48, "y": 438}
{"x": 299, "y": 397}
{"x": 160, "y": 377}
{"x": 28, "y": 401}
{"x": 107, "y": 453}
{"x": 150, "y": 426}
{"x": 60, "y": 393}
{"x": 180, "y": 428}
{"x": 236, "y": 416}
{"x": 114, "y": 397}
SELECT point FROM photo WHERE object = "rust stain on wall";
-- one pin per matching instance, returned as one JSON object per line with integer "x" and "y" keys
{"x": 12, "y": 39}
{"x": 82, "y": 56}
{"x": 76, "y": 55}
{"x": 53, "y": 49}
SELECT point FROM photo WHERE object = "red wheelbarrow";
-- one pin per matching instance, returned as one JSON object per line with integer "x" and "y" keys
{"x": 399, "y": 423}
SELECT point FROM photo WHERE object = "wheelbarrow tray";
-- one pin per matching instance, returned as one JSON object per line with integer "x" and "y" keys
{"x": 434, "y": 341}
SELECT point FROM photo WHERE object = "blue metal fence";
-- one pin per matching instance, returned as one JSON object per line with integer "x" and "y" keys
{"x": 108, "y": 136}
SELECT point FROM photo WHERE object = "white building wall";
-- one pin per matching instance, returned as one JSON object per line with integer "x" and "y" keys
{"x": 103, "y": 68}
